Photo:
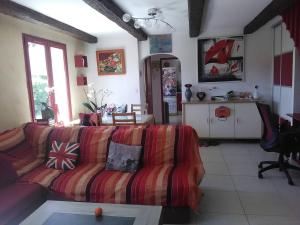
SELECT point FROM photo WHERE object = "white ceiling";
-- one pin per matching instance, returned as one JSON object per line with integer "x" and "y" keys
{"x": 230, "y": 16}
{"x": 221, "y": 16}
{"x": 75, "y": 13}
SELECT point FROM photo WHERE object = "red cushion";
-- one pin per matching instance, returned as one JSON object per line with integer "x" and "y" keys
{"x": 7, "y": 174}
{"x": 18, "y": 198}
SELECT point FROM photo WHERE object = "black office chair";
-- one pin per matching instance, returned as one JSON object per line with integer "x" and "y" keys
{"x": 273, "y": 140}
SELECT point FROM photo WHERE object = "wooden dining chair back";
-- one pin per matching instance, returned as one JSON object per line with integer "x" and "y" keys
{"x": 124, "y": 118}
{"x": 139, "y": 108}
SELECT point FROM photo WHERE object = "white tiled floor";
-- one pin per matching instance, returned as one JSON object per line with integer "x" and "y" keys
{"x": 233, "y": 194}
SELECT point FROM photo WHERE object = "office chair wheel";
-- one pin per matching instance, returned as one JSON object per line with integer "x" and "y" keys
{"x": 260, "y": 176}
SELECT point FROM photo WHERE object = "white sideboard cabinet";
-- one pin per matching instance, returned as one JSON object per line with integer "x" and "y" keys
{"x": 244, "y": 121}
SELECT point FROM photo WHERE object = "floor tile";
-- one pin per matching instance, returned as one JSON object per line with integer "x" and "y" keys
{"x": 211, "y": 155}
{"x": 272, "y": 220}
{"x": 215, "y": 201}
{"x": 217, "y": 182}
{"x": 216, "y": 168}
{"x": 243, "y": 168}
{"x": 253, "y": 184}
{"x": 220, "y": 219}
{"x": 264, "y": 204}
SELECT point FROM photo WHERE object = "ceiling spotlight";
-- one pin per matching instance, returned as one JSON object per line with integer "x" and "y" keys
{"x": 126, "y": 17}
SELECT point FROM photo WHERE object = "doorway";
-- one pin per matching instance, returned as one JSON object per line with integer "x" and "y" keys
{"x": 163, "y": 88}
{"x": 47, "y": 79}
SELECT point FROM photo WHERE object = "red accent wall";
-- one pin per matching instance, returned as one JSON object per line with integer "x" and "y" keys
{"x": 276, "y": 70}
{"x": 286, "y": 67}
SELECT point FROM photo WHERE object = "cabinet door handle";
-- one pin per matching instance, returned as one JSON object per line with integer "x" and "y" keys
{"x": 211, "y": 120}
{"x": 237, "y": 120}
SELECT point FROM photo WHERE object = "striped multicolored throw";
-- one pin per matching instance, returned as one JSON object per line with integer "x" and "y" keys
{"x": 11, "y": 139}
{"x": 170, "y": 173}
{"x": 29, "y": 152}
{"x": 170, "y": 176}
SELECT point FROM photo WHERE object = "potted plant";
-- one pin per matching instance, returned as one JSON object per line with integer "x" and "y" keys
{"x": 47, "y": 111}
{"x": 92, "y": 103}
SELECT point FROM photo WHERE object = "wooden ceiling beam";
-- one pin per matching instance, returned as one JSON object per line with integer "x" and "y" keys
{"x": 113, "y": 12}
{"x": 195, "y": 8}
{"x": 21, "y": 12}
{"x": 275, "y": 8}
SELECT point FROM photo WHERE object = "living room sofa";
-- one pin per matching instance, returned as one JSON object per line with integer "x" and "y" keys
{"x": 170, "y": 168}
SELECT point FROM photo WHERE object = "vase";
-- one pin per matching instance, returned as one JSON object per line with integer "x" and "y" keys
{"x": 188, "y": 94}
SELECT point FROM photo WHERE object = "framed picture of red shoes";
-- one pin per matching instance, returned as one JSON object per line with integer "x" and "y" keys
{"x": 221, "y": 59}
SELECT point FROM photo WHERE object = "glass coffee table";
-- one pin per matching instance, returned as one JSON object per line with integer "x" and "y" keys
{"x": 82, "y": 213}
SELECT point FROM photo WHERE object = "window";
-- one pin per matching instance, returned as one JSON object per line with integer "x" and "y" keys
{"x": 47, "y": 79}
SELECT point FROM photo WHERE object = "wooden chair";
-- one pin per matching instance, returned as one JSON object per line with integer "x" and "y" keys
{"x": 139, "y": 108}
{"x": 124, "y": 118}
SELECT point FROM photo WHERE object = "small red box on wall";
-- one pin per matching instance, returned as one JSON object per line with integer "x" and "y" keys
{"x": 80, "y": 61}
{"x": 81, "y": 80}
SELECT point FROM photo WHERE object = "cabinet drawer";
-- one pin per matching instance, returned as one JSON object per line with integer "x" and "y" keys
{"x": 197, "y": 116}
{"x": 247, "y": 121}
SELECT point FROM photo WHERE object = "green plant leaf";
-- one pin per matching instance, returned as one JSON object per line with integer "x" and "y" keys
{"x": 88, "y": 105}
{"x": 95, "y": 106}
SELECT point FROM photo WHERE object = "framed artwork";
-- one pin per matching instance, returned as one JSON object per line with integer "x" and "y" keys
{"x": 221, "y": 59}
{"x": 111, "y": 62}
{"x": 160, "y": 43}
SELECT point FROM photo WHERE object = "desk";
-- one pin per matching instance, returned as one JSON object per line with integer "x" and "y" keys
{"x": 107, "y": 120}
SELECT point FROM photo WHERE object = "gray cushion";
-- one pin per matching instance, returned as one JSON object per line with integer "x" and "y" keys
{"x": 124, "y": 158}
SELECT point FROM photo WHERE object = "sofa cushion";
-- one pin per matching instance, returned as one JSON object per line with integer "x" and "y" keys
{"x": 130, "y": 135}
{"x": 19, "y": 198}
{"x": 73, "y": 184}
{"x": 63, "y": 156}
{"x": 41, "y": 175}
{"x": 37, "y": 136}
{"x": 11, "y": 138}
{"x": 94, "y": 142}
{"x": 7, "y": 173}
{"x": 159, "y": 145}
{"x": 124, "y": 158}
{"x": 150, "y": 186}
{"x": 23, "y": 158}
{"x": 111, "y": 187}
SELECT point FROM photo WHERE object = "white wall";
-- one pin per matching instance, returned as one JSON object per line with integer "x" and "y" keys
{"x": 283, "y": 96}
{"x": 156, "y": 90}
{"x": 13, "y": 87}
{"x": 125, "y": 87}
{"x": 258, "y": 63}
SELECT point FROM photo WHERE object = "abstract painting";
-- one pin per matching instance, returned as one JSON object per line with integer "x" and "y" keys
{"x": 111, "y": 62}
{"x": 221, "y": 59}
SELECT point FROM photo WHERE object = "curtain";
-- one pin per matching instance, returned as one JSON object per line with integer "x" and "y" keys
{"x": 291, "y": 18}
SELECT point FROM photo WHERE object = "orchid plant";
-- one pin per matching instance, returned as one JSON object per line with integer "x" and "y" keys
{"x": 95, "y": 98}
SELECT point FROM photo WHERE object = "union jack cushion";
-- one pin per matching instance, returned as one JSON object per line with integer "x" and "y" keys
{"x": 63, "y": 156}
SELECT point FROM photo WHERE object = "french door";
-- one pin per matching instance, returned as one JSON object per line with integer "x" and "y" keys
{"x": 47, "y": 78}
